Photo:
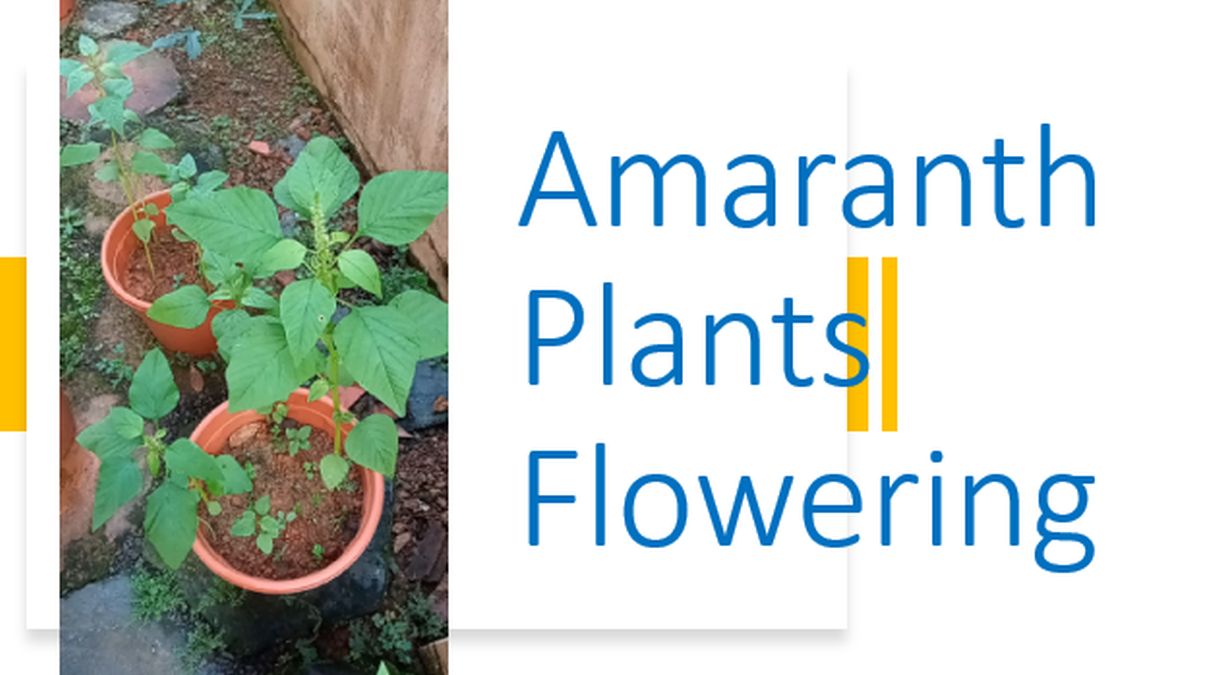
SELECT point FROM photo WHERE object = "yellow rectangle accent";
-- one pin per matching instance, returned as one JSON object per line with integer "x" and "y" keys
{"x": 12, "y": 344}
{"x": 890, "y": 365}
{"x": 858, "y": 337}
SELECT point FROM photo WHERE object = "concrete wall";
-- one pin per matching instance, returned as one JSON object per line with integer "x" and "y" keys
{"x": 383, "y": 65}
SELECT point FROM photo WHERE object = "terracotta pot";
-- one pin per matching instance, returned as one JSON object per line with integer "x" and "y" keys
{"x": 66, "y": 8}
{"x": 67, "y": 424}
{"x": 117, "y": 248}
{"x": 212, "y": 435}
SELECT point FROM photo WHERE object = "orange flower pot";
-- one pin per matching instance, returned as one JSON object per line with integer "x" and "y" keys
{"x": 117, "y": 248}
{"x": 212, "y": 435}
{"x": 66, "y": 8}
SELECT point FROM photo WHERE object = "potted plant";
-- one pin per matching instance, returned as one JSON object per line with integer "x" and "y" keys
{"x": 142, "y": 258}
{"x": 286, "y": 360}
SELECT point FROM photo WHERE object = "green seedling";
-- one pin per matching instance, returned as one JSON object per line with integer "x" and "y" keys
{"x": 298, "y": 439}
{"x": 301, "y": 338}
{"x": 188, "y": 475}
{"x": 115, "y": 367}
{"x": 277, "y": 415}
{"x": 317, "y": 552}
{"x": 311, "y": 469}
{"x": 258, "y": 519}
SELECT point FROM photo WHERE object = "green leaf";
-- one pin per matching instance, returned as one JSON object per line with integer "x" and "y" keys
{"x": 109, "y": 172}
{"x": 69, "y": 66}
{"x": 319, "y": 388}
{"x": 262, "y": 369}
{"x": 148, "y": 164}
{"x": 244, "y": 526}
{"x": 214, "y": 509}
{"x": 287, "y": 254}
{"x": 143, "y": 229}
{"x": 171, "y": 522}
{"x": 122, "y": 51}
{"x": 257, "y": 298}
{"x": 358, "y": 266}
{"x": 110, "y": 110}
{"x": 77, "y": 79}
{"x": 153, "y": 393}
{"x": 306, "y": 307}
{"x": 153, "y": 139}
{"x": 125, "y": 423}
{"x": 119, "y": 482}
{"x": 119, "y": 88}
{"x": 265, "y": 542}
{"x": 209, "y": 181}
{"x": 185, "y": 457}
{"x": 151, "y": 209}
{"x": 334, "y": 470}
{"x": 322, "y": 174}
{"x": 373, "y": 344}
{"x": 398, "y": 206}
{"x": 186, "y": 166}
{"x": 234, "y": 478}
{"x": 227, "y": 327}
{"x": 75, "y": 155}
{"x": 429, "y": 319}
{"x": 86, "y": 45}
{"x": 111, "y": 438}
{"x": 240, "y": 224}
{"x": 186, "y": 307}
{"x": 374, "y": 444}
{"x": 270, "y": 526}
{"x": 263, "y": 505}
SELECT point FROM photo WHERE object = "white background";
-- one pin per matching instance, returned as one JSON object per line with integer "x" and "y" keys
{"x": 1028, "y": 352}
{"x": 658, "y": 95}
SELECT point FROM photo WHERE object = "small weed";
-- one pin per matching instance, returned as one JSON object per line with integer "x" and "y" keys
{"x": 391, "y": 636}
{"x": 311, "y": 470}
{"x": 298, "y": 439}
{"x": 156, "y": 594}
{"x": 80, "y": 282}
{"x": 317, "y": 552}
{"x": 117, "y": 371}
{"x": 221, "y": 594}
{"x": 203, "y": 641}
{"x": 278, "y": 413}
{"x": 258, "y": 518}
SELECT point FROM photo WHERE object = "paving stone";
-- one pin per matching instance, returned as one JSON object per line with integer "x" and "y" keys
{"x": 104, "y": 19}
{"x": 100, "y": 635}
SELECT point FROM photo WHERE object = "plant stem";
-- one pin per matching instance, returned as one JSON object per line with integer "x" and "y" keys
{"x": 333, "y": 366}
{"x": 148, "y": 255}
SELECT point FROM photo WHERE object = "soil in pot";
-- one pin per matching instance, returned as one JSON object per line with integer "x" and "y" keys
{"x": 174, "y": 264}
{"x": 326, "y": 521}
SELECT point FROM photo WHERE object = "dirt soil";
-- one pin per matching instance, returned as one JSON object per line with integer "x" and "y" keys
{"x": 327, "y": 518}
{"x": 174, "y": 265}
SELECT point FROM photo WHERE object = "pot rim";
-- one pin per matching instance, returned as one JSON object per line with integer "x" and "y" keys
{"x": 372, "y": 487}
